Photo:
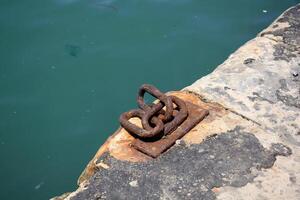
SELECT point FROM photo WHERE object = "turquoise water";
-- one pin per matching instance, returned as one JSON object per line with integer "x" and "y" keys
{"x": 70, "y": 67}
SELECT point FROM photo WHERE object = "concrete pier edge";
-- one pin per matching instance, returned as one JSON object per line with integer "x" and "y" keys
{"x": 247, "y": 148}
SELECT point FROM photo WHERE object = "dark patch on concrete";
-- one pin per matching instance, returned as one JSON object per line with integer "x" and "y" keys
{"x": 227, "y": 88}
{"x": 222, "y": 92}
{"x": 283, "y": 85}
{"x": 293, "y": 179}
{"x": 294, "y": 125}
{"x": 287, "y": 99}
{"x": 185, "y": 171}
{"x": 289, "y": 47}
{"x": 256, "y": 106}
{"x": 257, "y": 97}
{"x": 260, "y": 81}
{"x": 243, "y": 105}
{"x": 249, "y": 61}
{"x": 281, "y": 149}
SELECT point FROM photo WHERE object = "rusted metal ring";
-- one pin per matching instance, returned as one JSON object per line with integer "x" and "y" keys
{"x": 174, "y": 123}
{"x": 159, "y": 95}
{"x": 178, "y": 118}
{"x": 149, "y": 114}
{"x": 137, "y": 131}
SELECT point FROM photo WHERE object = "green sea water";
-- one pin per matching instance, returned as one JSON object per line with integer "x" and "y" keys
{"x": 70, "y": 67}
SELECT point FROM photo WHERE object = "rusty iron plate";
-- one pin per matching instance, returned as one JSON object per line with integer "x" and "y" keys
{"x": 154, "y": 148}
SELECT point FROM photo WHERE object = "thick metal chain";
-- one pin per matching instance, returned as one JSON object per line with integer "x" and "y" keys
{"x": 156, "y": 121}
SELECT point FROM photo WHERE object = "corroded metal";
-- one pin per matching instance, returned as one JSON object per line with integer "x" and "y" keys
{"x": 137, "y": 131}
{"x": 162, "y": 123}
{"x": 155, "y": 148}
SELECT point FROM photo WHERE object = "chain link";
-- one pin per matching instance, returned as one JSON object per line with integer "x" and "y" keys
{"x": 157, "y": 119}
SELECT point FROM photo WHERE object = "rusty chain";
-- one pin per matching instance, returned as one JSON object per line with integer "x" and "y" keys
{"x": 157, "y": 119}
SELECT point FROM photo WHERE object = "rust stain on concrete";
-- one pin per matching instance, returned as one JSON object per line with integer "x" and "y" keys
{"x": 118, "y": 145}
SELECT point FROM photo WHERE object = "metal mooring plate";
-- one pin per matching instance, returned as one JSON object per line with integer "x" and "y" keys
{"x": 195, "y": 115}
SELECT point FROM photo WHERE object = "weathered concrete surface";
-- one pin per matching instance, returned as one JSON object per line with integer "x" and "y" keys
{"x": 247, "y": 148}
{"x": 261, "y": 81}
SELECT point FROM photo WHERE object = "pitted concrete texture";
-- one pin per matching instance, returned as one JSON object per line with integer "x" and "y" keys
{"x": 261, "y": 81}
{"x": 186, "y": 171}
{"x": 248, "y": 146}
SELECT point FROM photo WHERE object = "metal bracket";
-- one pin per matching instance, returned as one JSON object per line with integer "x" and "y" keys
{"x": 155, "y": 148}
{"x": 160, "y": 127}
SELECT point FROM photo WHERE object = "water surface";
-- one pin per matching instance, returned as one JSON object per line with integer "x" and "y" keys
{"x": 70, "y": 67}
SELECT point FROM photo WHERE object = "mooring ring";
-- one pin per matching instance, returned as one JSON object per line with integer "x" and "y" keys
{"x": 137, "y": 131}
{"x": 159, "y": 95}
